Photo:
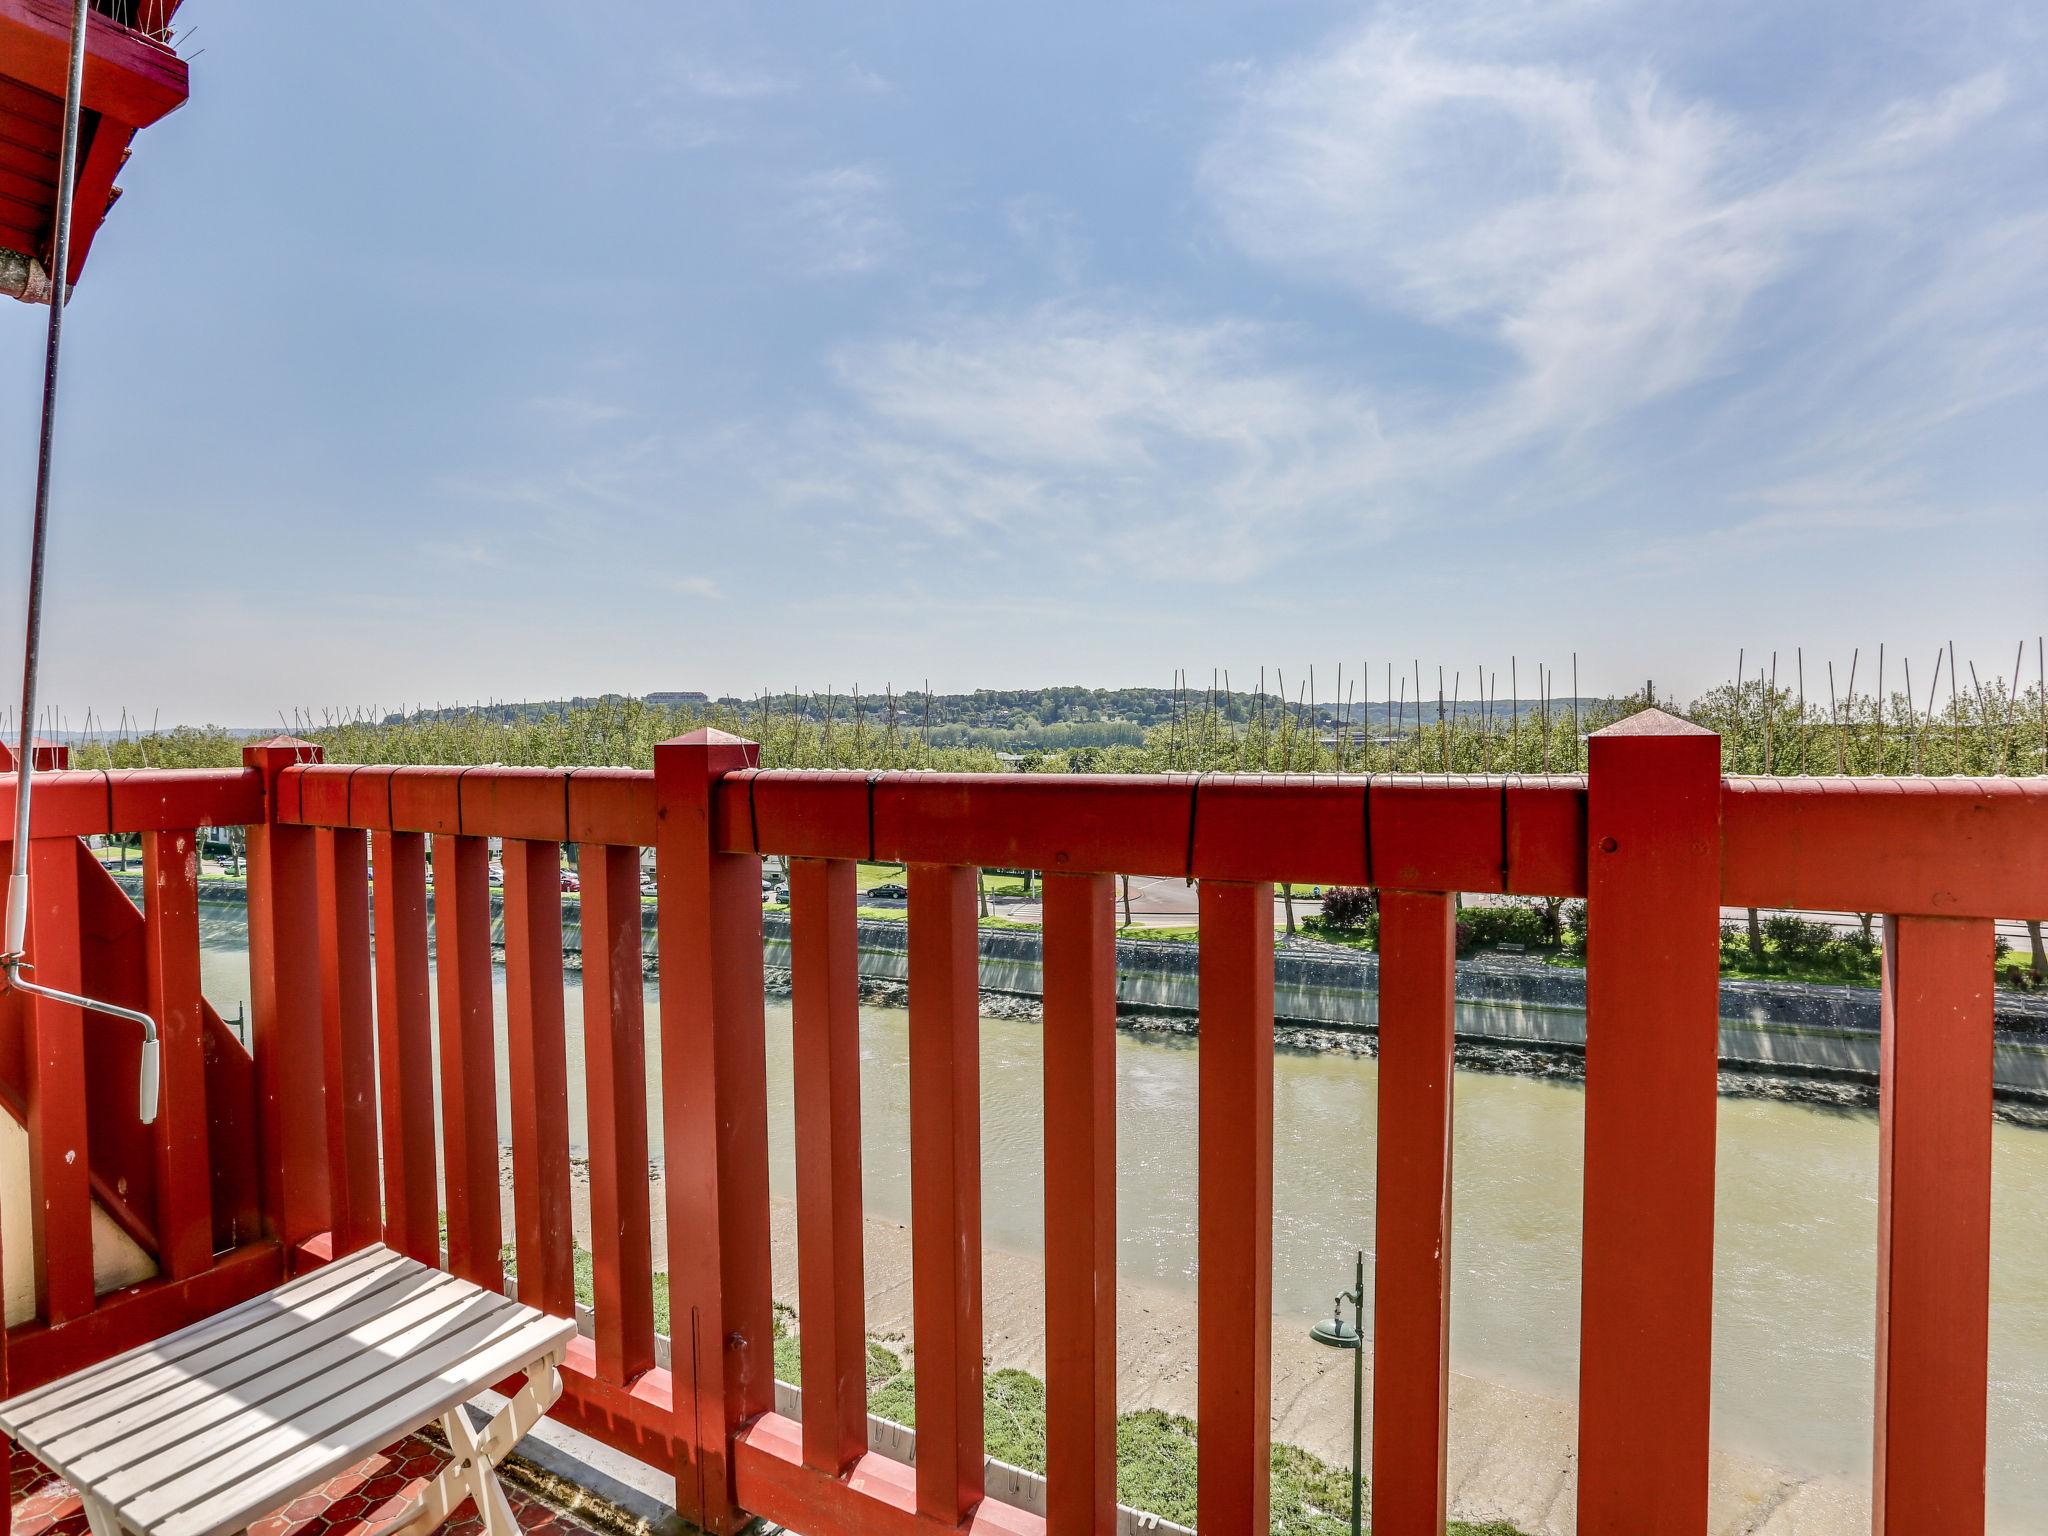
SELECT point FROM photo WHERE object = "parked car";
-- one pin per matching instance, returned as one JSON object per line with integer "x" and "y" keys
{"x": 778, "y": 894}
{"x": 497, "y": 873}
{"x": 571, "y": 881}
{"x": 890, "y": 892}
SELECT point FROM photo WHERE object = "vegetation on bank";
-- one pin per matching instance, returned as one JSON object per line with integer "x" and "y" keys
{"x": 1996, "y": 727}
{"x": 1155, "y": 1451}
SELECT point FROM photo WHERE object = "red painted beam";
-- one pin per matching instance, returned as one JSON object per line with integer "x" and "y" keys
{"x": 87, "y": 803}
{"x": 128, "y": 76}
{"x": 1652, "y": 1085}
{"x": 184, "y": 1200}
{"x": 1080, "y": 1203}
{"x": 945, "y": 1188}
{"x": 469, "y": 1076}
{"x": 875, "y": 1497}
{"x": 714, "y": 1118}
{"x": 349, "y": 1036}
{"x": 1234, "y": 1243}
{"x": 825, "y": 1012}
{"x": 1941, "y": 847}
{"x": 615, "y": 1078}
{"x": 405, "y": 1045}
{"x": 1412, "y": 1224}
{"x": 537, "y": 1066}
{"x": 1933, "y": 1227}
{"x": 106, "y": 151}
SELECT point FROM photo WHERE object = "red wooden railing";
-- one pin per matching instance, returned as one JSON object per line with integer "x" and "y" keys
{"x": 336, "y": 1101}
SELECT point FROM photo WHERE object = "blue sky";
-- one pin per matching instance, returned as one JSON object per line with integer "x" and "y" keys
{"x": 440, "y": 351}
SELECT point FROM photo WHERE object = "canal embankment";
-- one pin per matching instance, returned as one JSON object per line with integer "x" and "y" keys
{"x": 1778, "y": 1038}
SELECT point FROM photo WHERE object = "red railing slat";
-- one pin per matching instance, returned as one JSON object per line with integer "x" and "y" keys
{"x": 825, "y": 1027}
{"x": 469, "y": 1076}
{"x": 53, "y": 1047}
{"x": 945, "y": 1187}
{"x": 1412, "y": 1225}
{"x": 615, "y": 1077}
{"x": 1933, "y": 1226}
{"x": 1234, "y": 1207}
{"x": 538, "y": 1073}
{"x": 1080, "y": 1203}
{"x": 170, "y": 910}
{"x": 714, "y": 1092}
{"x": 405, "y": 1045}
{"x": 1652, "y": 1085}
{"x": 284, "y": 1011}
{"x": 350, "y": 1029}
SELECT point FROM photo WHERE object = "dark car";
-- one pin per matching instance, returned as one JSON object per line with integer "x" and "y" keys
{"x": 889, "y": 892}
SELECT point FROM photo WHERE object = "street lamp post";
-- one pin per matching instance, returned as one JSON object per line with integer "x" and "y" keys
{"x": 1338, "y": 1334}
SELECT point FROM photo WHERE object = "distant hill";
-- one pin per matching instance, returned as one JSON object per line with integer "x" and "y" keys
{"x": 1024, "y": 719}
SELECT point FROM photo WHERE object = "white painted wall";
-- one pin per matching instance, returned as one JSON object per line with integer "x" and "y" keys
{"x": 116, "y": 1259}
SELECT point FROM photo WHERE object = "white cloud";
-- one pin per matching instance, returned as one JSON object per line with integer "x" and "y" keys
{"x": 1110, "y": 435}
{"x": 719, "y": 80}
{"x": 1050, "y": 234}
{"x": 1602, "y": 230}
{"x": 691, "y": 586}
{"x": 841, "y": 220}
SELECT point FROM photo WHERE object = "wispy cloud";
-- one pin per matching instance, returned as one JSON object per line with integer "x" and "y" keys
{"x": 1594, "y": 225}
{"x": 1050, "y": 234}
{"x": 840, "y": 220}
{"x": 725, "y": 80}
{"x": 1110, "y": 435}
{"x": 577, "y": 410}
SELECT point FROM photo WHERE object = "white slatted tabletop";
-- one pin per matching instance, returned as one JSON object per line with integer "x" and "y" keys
{"x": 208, "y": 1428}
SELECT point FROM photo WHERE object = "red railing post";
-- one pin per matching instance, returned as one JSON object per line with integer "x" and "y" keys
{"x": 824, "y": 966}
{"x": 537, "y": 1067}
{"x": 184, "y": 1195}
{"x": 350, "y": 1033}
{"x": 1234, "y": 1208}
{"x": 284, "y": 1008}
{"x": 615, "y": 1079}
{"x": 1653, "y": 888}
{"x": 405, "y": 1045}
{"x": 53, "y": 1048}
{"x": 469, "y": 1077}
{"x": 1411, "y": 1284}
{"x": 1080, "y": 1203}
{"x": 945, "y": 1188}
{"x": 1933, "y": 1226}
{"x": 714, "y": 1076}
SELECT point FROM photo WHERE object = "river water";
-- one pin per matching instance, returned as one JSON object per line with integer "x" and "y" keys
{"x": 1796, "y": 1221}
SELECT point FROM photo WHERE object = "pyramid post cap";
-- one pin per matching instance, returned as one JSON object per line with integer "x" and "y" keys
{"x": 708, "y": 736}
{"x": 1652, "y": 722}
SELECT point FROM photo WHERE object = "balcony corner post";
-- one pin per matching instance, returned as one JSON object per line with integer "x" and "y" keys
{"x": 1653, "y": 888}
{"x": 285, "y": 1006}
{"x": 714, "y": 1122}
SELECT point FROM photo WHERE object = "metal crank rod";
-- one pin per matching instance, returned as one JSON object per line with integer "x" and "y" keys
{"x": 12, "y": 960}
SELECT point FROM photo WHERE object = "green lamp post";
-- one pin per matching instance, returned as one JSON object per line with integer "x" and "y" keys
{"x": 1338, "y": 1334}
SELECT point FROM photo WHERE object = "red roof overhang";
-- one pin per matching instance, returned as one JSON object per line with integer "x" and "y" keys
{"x": 131, "y": 79}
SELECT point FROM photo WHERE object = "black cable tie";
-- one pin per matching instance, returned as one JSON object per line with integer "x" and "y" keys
{"x": 872, "y": 778}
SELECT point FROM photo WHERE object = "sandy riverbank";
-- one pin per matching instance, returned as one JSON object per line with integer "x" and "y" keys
{"x": 1512, "y": 1453}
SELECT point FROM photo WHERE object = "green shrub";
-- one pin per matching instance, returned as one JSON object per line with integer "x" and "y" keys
{"x": 1797, "y": 938}
{"x": 1350, "y": 906}
{"x": 1521, "y": 922}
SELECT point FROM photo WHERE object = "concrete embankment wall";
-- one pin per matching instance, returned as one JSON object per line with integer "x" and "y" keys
{"x": 1791, "y": 1028}
{"x": 1784, "y": 1027}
